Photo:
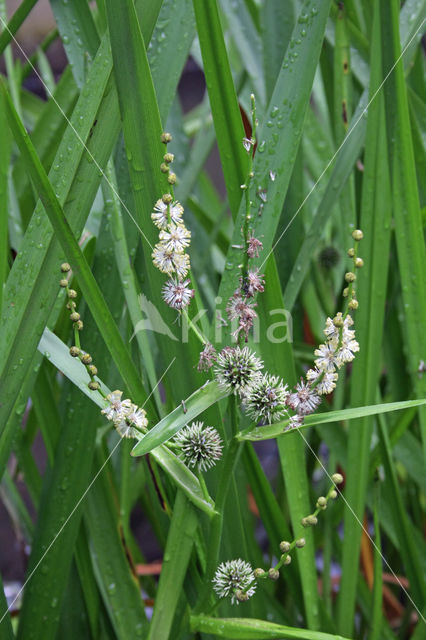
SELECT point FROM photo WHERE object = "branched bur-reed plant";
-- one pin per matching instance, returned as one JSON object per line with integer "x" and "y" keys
{"x": 236, "y": 371}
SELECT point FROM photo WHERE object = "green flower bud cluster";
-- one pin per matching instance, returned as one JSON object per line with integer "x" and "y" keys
{"x": 321, "y": 505}
{"x": 75, "y": 350}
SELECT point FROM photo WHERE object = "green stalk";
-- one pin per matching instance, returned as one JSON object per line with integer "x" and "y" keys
{"x": 231, "y": 457}
{"x": 377, "y": 594}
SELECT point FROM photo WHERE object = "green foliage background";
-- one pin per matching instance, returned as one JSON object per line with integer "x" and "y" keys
{"x": 340, "y": 95}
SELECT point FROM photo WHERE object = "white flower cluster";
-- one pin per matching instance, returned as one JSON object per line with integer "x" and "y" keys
{"x": 169, "y": 254}
{"x": 339, "y": 348}
{"x": 234, "y": 578}
{"x": 129, "y": 419}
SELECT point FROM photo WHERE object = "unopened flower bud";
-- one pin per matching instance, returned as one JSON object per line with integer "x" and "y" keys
{"x": 65, "y": 267}
{"x": 63, "y": 283}
{"x": 337, "y": 478}
{"x": 167, "y": 198}
{"x": 287, "y": 561}
{"x": 322, "y": 502}
{"x": 74, "y": 352}
{"x": 304, "y": 522}
{"x": 353, "y": 304}
{"x": 350, "y": 276}
{"x": 284, "y": 546}
{"x": 333, "y": 494}
{"x": 164, "y": 168}
{"x": 70, "y": 305}
{"x": 273, "y": 574}
{"x": 78, "y": 325}
{"x": 259, "y": 573}
{"x": 86, "y": 358}
{"x": 359, "y": 262}
{"x": 72, "y": 293}
{"x": 94, "y": 386}
{"x": 357, "y": 234}
{"x": 345, "y": 292}
{"x": 171, "y": 179}
{"x": 92, "y": 370}
{"x": 312, "y": 520}
{"x": 166, "y": 137}
{"x": 351, "y": 252}
{"x": 300, "y": 543}
{"x": 338, "y": 320}
{"x": 168, "y": 157}
{"x": 74, "y": 316}
{"x": 242, "y": 596}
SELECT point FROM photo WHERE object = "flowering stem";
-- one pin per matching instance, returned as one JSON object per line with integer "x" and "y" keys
{"x": 247, "y": 217}
{"x": 193, "y": 327}
{"x": 203, "y": 486}
{"x": 230, "y": 459}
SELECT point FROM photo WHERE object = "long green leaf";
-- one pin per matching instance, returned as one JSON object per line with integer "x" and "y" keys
{"x": 176, "y": 558}
{"x": 408, "y": 223}
{"x": 223, "y": 100}
{"x": 243, "y": 629}
{"x": 15, "y": 22}
{"x": 371, "y": 292}
{"x": 274, "y": 430}
{"x": 118, "y": 586}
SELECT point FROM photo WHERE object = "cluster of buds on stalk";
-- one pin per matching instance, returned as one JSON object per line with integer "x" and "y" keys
{"x": 237, "y": 579}
{"x": 75, "y": 350}
{"x": 241, "y": 305}
{"x": 129, "y": 419}
{"x": 169, "y": 253}
{"x": 338, "y": 349}
{"x": 312, "y": 519}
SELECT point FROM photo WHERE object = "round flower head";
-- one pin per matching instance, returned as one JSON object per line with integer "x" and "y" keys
{"x": 160, "y": 216}
{"x": 117, "y": 407}
{"x": 200, "y": 446}
{"x": 326, "y": 355}
{"x": 237, "y": 307}
{"x": 252, "y": 282}
{"x": 176, "y": 238}
{"x": 234, "y": 576}
{"x": 237, "y": 368}
{"x": 131, "y": 422}
{"x": 181, "y": 265}
{"x": 177, "y": 294}
{"x": 327, "y": 384}
{"x": 163, "y": 258}
{"x": 207, "y": 357}
{"x": 304, "y": 400}
{"x": 265, "y": 399}
{"x": 347, "y": 351}
{"x": 254, "y": 246}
